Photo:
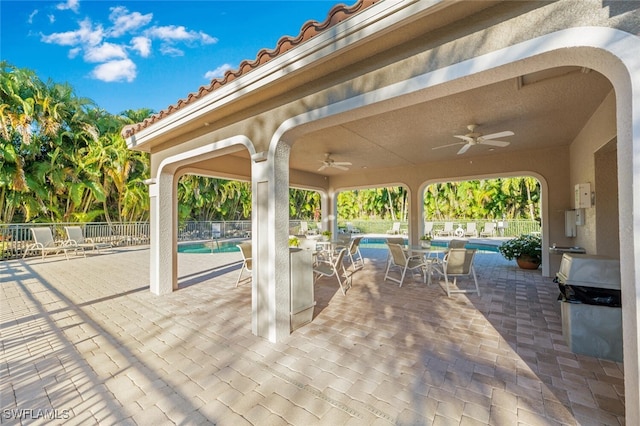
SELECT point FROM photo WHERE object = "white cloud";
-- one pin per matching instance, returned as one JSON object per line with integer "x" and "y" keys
{"x": 142, "y": 45}
{"x": 74, "y": 52}
{"x": 207, "y": 39}
{"x": 86, "y": 34}
{"x": 52, "y": 18}
{"x": 113, "y": 71}
{"x": 124, "y": 22}
{"x": 171, "y": 32}
{"x": 31, "y": 16}
{"x": 170, "y": 51}
{"x": 105, "y": 52}
{"x": 218, "y": 72}
{"x": 179, "y": 33}
{"x": 73, "y": 5}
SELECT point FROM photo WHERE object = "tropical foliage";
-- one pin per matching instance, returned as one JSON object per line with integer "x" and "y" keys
{"x": 62, "y": 158}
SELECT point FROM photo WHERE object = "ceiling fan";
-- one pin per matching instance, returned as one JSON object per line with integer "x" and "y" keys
{"x": 329, "y": 162}
{"x": 475, "y": 138}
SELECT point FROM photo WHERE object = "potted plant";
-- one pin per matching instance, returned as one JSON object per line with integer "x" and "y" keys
{"x": 525, "y": 249}
{"x": 326, "y": 235}
{"x": 294, "y": 241}
{"x": 425, "y": 240}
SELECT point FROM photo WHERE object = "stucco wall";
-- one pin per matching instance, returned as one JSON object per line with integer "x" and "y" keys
{"x": 597, "y": 132}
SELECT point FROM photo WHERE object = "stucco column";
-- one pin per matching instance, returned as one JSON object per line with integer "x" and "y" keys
{"x": 331, "y": 212}
{"x": 415, "y": 214}
{"x": 163, "y": 266}
{"x": 270, "y": 298}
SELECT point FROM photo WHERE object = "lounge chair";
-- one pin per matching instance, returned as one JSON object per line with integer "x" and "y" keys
{"x": 472, "y": 230}
{"x": 428, "y": 228}
{"x": 489, "y": 230}
{"x": 76, "y": 239}
{"x": 352, "y": 229}
{"x": 447, "y": 231}
{"x": 395, "y": 229}
{"x": 245, "y": 250}
{"x": 44, "y": 243}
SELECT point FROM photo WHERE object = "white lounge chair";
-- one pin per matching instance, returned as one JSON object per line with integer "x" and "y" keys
{"x": 76, "y": 239}
{"x": 44, "y": 243}
{"x": 472, "y": 230}
{"x": 352, "y": 229}
{"x": 489, "y": 230}
{"x": 395, "y": 229}
{"x": 428, "y": 228}
{"x": 447, "y": 231}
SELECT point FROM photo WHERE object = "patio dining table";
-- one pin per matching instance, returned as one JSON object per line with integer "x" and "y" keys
{"x": 433, "y": 261}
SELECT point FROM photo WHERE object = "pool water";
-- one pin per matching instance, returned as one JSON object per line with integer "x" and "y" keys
{"x": 367, "y": 242}
{"x": 209, "y": 247}
{"x": 381, "y": 243}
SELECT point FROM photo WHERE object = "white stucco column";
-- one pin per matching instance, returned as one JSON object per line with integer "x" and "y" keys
{"x": 270, "y": 298}
{"x": 163, "y": 266}
{"x": 332, "y": 212}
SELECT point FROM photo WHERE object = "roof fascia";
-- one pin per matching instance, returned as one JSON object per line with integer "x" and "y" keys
{"x": 374, "y": 21}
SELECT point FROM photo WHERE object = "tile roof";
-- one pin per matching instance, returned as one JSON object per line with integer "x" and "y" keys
{"x": 310, "y": 29}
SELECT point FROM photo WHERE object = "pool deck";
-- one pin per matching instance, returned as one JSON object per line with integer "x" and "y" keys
{"x": 86, "y": 338}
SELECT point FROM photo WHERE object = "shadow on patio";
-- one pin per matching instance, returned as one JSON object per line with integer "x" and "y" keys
{"x": 85, "y": 337}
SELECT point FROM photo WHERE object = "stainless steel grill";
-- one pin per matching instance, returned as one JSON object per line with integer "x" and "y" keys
{"x": 590, "y": 303}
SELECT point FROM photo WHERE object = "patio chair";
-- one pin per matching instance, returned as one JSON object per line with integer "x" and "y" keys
{"x": 406, "y": 263}
{"x": 489, "y": 230}
{"x": 245, "y": 250}
{"x": 471, "y": 230}
{"x": 355, "y": 257}
{"x": 44, "y": 243}
{"x": 335, "y": 267}
{"x": 457, "y": 243}
{"x": 447, "y": 231}
{"x": 76, "y": 239}
{"x": 395, "y": 229}
{"x": 393, "y": 240}
{"x": 458, "y": 262}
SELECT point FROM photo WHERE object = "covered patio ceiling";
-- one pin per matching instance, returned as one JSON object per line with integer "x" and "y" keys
{"x": 543, "y": 109}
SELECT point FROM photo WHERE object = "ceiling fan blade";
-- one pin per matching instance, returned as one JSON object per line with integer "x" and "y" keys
{"x": 341, "y": 163}
{"x": 448, "y": 145}
{"x": 496, "y": 143}
{"x": 337, "y": 166}
{"x": 324, "y": 166}
{"x": 465, "y": 138}
{"x": 464, "y": 149}
{"x": 497, "y": 135}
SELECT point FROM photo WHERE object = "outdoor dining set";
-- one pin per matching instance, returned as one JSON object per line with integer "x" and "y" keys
{"x": 341, "y": 258}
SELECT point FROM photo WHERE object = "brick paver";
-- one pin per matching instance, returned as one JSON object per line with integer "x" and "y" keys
{"x": 84, "y": 341}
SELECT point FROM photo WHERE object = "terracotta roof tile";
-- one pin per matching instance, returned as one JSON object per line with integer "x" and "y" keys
{"x": 310, "y": 29}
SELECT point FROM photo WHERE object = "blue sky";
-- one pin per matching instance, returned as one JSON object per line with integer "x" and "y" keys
{"x": 144, "y": 54}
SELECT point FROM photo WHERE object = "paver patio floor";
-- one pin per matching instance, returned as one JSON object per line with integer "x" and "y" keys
{"x": 85, "y": 341}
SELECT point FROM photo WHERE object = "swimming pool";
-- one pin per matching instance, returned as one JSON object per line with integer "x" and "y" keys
{"x": 369, "y": 242}
{"x": 209, "y": 247}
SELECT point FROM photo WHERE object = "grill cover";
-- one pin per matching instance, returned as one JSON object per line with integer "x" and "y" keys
{"x": 589, "y": 271}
